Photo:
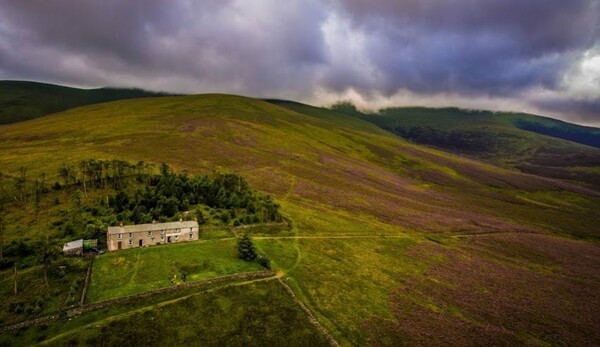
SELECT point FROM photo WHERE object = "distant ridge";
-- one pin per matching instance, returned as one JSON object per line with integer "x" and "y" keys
{"x": 24, "y": 100}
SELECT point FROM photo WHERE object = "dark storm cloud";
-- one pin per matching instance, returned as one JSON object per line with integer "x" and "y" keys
{"x": 316, "y": 50}
{"x": 495, "y": 46}
{"x": 181, "y": 45}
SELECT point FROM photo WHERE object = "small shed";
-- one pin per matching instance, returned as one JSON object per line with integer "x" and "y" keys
{"x": 73, "y": 248}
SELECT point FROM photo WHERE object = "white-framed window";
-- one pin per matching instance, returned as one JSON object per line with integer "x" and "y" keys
{"x": 162, "y": 238}
{"x": 176, "y": 237}
{"x": 131, "y": 242}
{"x": 153, "y": 240}
{"x": 191, "y": 229}
{"x": 149, "y": 233}
{"x": 119, "y": 236}
{"x": 162, "y": 232}
{"x": 191, "y": 236}
{"x": 130, "y": 235}
{"x": 178, "y": 230}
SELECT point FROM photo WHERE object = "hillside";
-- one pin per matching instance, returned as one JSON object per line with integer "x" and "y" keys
{"x": 23, "y": 100}
{"x": 533, "y": 144}
{"x": 391, "y": 242}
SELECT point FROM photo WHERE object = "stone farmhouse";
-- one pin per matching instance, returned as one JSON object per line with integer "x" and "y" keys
{"x": 140, "y": 235}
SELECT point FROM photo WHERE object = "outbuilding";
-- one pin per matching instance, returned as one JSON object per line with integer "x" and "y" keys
{"x": 73, "y": 248}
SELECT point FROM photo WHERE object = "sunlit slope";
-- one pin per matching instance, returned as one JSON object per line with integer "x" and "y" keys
{"x": 332, "y": 173}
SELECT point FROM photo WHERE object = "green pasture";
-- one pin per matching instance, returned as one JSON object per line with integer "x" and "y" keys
{"x": 138, "y": 270}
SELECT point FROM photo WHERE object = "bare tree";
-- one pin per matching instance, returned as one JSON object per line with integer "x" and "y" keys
{"x": 47, "y": 254}
{"x": 20, "y": 181}
{"x": 15, "y": 286}
{"x": 1, "y": 238}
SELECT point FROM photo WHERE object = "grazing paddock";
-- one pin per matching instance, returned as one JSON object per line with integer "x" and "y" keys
{"x": 138, "y": 270}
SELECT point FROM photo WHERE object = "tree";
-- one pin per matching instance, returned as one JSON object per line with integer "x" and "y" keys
{"x": 246, "y": 249}
{"x": 47, "y": 254}
{"x": 64, "y": 172}
{"x": 15, "y": 285}
{"x": 1, "y": 238}
{"x": 20, "y": 184}
{"x": 200, "y": 216}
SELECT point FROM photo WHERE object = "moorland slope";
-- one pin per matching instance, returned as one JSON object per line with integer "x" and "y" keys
{"x": 23, "y": 100}
{"x": 532, "y": 144}
{"x": 382, "y": 227}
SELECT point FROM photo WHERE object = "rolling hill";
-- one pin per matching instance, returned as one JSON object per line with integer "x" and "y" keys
{"x": 23, "y": 100}
{"x": 391, "y": 242}
{"x": 533, "y": 144}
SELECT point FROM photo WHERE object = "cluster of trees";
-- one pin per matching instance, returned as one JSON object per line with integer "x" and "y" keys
{"x": 103, "y": 173}
{"x": 476, "y": 142}
{"x": 571, "y": 132}
{"x": 85, "y": 175}
{"x": 168, "y": 194}
{"x": 247, "y": 252}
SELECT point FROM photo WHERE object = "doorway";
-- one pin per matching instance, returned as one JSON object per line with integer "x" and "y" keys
{"x": 141, "y": 242}
{"x": 119, "y": 245}
{"x": 168, "y": 239}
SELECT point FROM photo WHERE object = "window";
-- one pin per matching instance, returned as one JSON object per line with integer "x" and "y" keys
{"x": 191, "y": 236}
{"x": 162, "y": 238}
{"x": 191, "y": 230}
{"x": 149, "y": 233}
{"x": 119, "y": 236}
{"x": 176, "y": 237}
{"x": 178, "y": 230}
{"x": 153, "y": 240}
{"x": 130, "y": 235}
{"x": 131, "y": 242}
{"x": 162, "y": 232}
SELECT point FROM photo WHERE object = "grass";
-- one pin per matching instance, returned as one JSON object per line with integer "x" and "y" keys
{"x": 22, "y": 100}
{"x": 344, "y": 281}
{"x": 138, "y": 270}
{"x": 334, "y": 176}
{"x": 531, "y": 143}
{"x": 339, "y": 165}
{"x": 236, "y": 314}
{"x": 63, "y": 290}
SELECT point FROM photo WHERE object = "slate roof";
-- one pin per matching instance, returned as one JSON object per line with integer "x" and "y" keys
{"x": 136, "y": 228}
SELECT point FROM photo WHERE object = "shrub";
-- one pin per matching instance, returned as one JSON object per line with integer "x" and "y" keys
{"x": 264, "y": 261}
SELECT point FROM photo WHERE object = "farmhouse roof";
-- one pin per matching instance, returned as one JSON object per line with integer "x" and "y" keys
{"x": 151, "y": 227}
{"x": 73, "y": 245}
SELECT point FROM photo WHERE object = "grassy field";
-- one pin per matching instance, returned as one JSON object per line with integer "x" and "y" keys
{"x": 138, "y": 270}
{"x": 405, "y": 291}
{"x": 236, "y": 314}
{"x": 344, "y": 280}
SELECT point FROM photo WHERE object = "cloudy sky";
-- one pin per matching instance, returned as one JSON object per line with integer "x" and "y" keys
{"x": 540, "y": 56}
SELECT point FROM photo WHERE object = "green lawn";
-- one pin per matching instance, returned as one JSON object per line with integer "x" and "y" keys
{"x": 138, "y": 270}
